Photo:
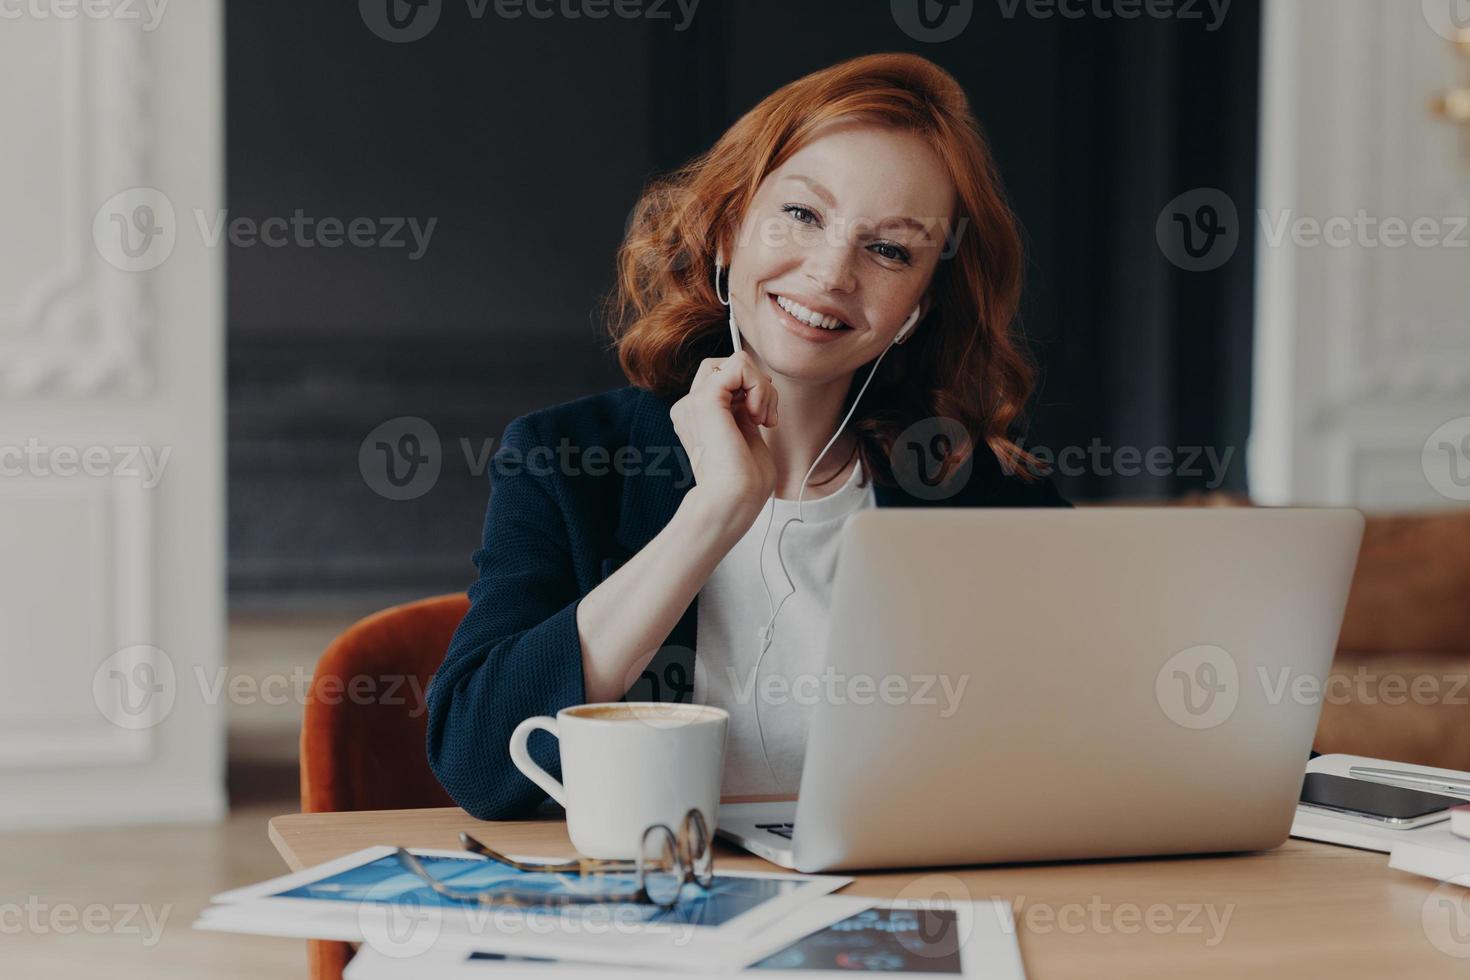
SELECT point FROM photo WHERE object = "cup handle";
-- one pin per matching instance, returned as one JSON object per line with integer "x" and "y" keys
{"x": 522, "y": 758}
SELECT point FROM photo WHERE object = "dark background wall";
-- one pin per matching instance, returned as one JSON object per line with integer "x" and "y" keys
{"x": 526, "y": 141}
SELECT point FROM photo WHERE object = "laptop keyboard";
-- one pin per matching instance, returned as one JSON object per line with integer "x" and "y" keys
{"x": 779, "y": 829}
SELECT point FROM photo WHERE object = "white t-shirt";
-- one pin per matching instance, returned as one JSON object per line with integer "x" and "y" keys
{"x": 732, "y": 609}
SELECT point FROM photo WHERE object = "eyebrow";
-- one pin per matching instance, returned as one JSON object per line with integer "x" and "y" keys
{"x": 827, "y": 196}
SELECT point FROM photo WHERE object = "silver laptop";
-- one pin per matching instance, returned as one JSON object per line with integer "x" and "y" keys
{"x": 1063, "y": 684}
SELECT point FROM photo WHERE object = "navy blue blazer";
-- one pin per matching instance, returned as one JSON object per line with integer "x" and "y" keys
{"x": 578, "y": 489}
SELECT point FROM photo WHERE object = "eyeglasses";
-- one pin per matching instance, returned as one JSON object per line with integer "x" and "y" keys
{"x": 667, "y": 861}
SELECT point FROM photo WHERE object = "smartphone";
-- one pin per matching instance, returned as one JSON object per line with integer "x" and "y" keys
{"x": 1377, "y": 803}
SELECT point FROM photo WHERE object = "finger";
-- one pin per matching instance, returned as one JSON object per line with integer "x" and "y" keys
{"x": 735, "y": 373}
{"x": 758, "y": 401}
{"x": 706, "y": 369}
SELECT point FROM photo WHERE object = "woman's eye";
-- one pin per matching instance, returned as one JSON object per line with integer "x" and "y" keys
{"x": 893, "y": 253}
{"x": 805, "y": 215}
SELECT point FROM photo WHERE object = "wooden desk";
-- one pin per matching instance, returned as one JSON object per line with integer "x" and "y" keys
{"x": 1302, "y": 910}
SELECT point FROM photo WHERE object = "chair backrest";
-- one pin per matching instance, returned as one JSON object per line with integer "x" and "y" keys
{"x": 362, "y": 736}
{"x": 1411, "y": 592}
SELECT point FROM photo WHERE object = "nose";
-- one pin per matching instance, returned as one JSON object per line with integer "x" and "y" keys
{"x": 829, "y": 267}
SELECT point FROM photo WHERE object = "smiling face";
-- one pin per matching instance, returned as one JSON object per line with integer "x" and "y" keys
{"x": 837, "y": 248}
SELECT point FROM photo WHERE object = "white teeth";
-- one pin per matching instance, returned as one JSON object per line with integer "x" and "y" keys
{"x": 809, "y": 317}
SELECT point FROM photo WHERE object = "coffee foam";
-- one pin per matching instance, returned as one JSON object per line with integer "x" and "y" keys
{"x": 647, "y": 711}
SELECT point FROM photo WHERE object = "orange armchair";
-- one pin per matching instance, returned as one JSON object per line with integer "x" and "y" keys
{"x": 362, "y": 736}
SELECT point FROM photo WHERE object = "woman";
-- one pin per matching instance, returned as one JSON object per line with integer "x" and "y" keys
{"x": 850, "y": 234}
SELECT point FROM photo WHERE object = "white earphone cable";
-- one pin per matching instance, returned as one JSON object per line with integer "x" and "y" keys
{"x": 766, "y": 634}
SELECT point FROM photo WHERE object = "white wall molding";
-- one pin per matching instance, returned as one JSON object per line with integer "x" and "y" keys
{"x": 72, "y": 730}
{"x": 79, "y": 327}
{"x": 111, "y": 423}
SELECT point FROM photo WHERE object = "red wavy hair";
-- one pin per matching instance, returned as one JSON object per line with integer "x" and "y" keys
{"x": 965, "y": 362}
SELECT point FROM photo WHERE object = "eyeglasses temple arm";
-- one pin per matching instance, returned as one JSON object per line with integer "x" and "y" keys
{"x": 577, "y": 866}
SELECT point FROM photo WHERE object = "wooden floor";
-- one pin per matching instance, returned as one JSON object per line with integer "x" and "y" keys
{"x": 119, "y": 902}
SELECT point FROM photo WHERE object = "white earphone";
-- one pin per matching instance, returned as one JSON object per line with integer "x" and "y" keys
{"x": 767, "y": 633}
{"x": 725, "y": 300}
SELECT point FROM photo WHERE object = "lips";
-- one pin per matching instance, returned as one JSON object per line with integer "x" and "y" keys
{"x": 825, "y": 319}
{"x": 803, "y": 330}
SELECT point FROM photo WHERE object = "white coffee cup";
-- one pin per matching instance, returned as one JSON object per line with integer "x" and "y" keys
{"x": 627, "y": 765}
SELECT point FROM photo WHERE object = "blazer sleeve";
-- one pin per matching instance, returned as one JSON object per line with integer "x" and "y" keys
{"x": 517, "y": 652}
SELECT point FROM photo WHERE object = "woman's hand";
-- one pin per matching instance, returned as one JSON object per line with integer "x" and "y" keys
{"x": 719, "y": 423}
